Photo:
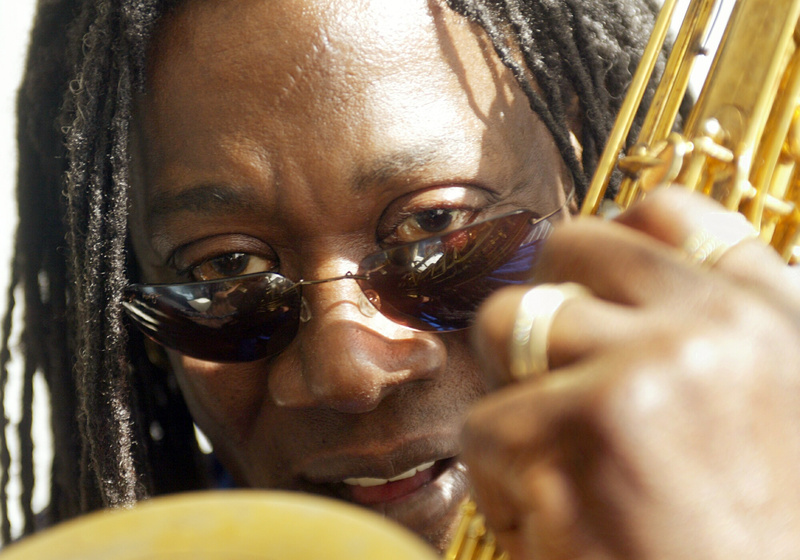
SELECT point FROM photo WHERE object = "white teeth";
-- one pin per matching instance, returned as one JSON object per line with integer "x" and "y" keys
{"x": 368, "y": 481}
{"x": 412, "y": 472}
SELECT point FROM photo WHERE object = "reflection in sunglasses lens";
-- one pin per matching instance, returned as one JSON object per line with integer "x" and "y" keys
{"x": 235, "y": 320}
{"x": 438, "y": 284}
{"x": 434, "y": 284}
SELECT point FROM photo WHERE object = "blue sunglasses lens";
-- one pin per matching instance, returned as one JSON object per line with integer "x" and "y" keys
{"x": 438, "y": 284}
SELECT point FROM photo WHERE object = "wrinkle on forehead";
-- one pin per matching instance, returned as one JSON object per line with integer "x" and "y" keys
{"x": 308, "y": 92}
{"x": 386, "y": 31}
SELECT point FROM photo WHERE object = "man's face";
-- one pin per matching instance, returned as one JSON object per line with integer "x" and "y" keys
{"x": 299, "y": 136}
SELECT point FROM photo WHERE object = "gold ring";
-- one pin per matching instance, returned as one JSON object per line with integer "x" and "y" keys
{"x": 721, "y": 232}
{"x": 530, "y": 337}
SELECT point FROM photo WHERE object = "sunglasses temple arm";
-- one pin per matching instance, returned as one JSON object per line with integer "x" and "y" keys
{"x": 348, "y": 276}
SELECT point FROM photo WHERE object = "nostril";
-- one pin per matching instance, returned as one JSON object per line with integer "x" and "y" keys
{"x": 347, "y": 366}
{"x": 352, "y": 398}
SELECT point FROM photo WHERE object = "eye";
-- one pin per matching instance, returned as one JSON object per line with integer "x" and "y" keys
{"x": 428, "y": 223}
{"x": 432, "y": 211}
{"x": 229, "y": 265}
{"x": 436, "y": 220}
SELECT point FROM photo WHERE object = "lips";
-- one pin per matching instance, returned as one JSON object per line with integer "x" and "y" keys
{"x": 367, "y": 481}
{"x": 368, "y": 490}
{"x": 424, "y": 497}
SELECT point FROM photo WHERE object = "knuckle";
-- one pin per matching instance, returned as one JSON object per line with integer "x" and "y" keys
{"x": 637, "y": 396}
{"x": 662, "y": 383}
{"x": 682, "y": 368}
{"x": 735, "y": 338}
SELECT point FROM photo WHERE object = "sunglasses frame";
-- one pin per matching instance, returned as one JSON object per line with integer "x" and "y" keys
{"x": 176, "y": 315}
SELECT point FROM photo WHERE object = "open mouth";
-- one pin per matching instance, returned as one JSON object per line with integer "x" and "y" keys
{"x": 425, "y": 498}
{"x": 371, "y": 491}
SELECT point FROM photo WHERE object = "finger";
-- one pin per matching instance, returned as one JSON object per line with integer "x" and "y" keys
{"x": 543, "y": 464}
{"x": 616, "y": 263}
{"x": 549, "y": 528}
{"x": 675, "y": 215}
{"x": 580, "y": 327}
{"x": 506, "y": 446}
{"x": 756, "y": 267}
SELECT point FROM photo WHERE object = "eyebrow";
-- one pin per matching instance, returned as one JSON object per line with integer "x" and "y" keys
{"x": 398, "y": 163}
{"x": 212, "y": 198}
{"x": 205, "y": 198}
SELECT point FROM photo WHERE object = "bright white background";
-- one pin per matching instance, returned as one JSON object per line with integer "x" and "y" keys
{"x": 15, "y": 20}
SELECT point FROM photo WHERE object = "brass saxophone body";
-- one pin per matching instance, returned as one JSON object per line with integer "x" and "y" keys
{"x": 741, "y": 141}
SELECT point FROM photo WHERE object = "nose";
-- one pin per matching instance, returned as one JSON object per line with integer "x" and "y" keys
{"x": 348, "y": 358}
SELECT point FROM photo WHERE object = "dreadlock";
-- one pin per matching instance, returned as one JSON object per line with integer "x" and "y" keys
{"x": 121, "y": 430}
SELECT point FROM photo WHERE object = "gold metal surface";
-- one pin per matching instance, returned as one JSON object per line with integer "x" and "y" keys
{"x": 740, "y": 144}
{"x": 473, "y": 541}
{"x": 229, "y": 525}
{"x": 741, "y": 141}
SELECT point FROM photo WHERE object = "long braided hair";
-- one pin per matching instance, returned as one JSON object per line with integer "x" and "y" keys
{"x": 121, "y": 430}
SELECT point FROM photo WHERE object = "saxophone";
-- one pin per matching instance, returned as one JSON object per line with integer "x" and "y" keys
{"x": 740, "y": 143}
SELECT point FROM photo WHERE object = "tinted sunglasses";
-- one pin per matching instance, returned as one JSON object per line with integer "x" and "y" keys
{"x": 436, "y": 284}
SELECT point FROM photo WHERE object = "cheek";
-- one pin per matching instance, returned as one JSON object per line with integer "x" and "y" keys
{"x": 225, "y": 399}
{"x": 464, "y": 369}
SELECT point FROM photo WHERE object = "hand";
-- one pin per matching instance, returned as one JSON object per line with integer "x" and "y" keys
{"x": 669, "y": 424}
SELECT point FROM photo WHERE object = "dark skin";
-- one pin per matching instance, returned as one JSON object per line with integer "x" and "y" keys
{"x": 278, "y": 132}
{"x": 306, "y": 135}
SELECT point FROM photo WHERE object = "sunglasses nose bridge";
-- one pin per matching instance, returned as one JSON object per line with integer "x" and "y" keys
{"x": 346, "y": 276}
{"x": 363, "y": 304}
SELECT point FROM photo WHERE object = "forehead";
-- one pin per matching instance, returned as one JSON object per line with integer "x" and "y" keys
{"x": 306, "y": 96}
{"x": 306, "y": 60}
{"x": 294, "y": 39}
